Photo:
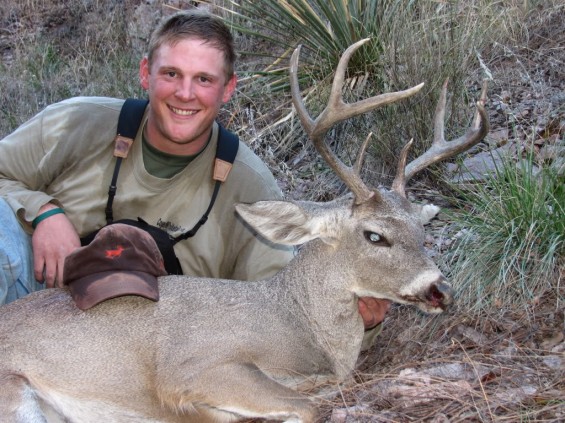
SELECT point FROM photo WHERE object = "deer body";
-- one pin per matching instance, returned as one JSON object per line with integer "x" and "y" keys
{"x": 135, "y": 355}
{"x": 214, "y": 347}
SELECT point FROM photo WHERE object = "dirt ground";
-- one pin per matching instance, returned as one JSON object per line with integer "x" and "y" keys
{"x": 451, "y": 368}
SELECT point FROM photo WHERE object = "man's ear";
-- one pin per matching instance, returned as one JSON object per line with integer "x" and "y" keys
{"x": 144, "y": 73}
{"x": 229, "y": 89}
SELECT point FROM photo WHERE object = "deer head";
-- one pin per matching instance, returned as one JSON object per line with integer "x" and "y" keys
{"x": 426, "y": 289}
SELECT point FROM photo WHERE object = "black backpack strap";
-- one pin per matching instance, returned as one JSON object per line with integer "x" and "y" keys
{"x": 129, "y": 122}
{"x": 131, "y": 116}
{"x": 228, "y": 144}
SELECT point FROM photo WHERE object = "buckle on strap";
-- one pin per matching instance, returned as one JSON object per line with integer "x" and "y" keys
{"x": 121, "y": 146}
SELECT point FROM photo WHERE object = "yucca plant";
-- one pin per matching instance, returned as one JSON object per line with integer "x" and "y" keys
{"x": 324, "y": 28}
{"x": 512, "y": 237}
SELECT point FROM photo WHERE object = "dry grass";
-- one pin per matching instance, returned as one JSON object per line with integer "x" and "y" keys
{"x": 419, "y": 44}
{"x": 50, "y": 51}
{"x": 457, "y": 368}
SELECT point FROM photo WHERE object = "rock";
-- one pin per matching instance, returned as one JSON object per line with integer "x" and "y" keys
{"x": 349, "y": 414}
{"x": 497, "y": 138}
{"x": 554, "y": 362}
{"x": 477, "y": 167}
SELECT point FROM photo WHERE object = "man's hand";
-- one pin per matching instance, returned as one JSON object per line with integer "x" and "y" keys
{"x": 373, "y": 310}
{"x": 53, "y": 240}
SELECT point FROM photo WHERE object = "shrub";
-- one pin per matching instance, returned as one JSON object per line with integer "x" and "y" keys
{"x": 512, "y": 236}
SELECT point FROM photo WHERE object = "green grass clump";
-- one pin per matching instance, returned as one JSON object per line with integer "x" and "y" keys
{"x": 512, "y": 244}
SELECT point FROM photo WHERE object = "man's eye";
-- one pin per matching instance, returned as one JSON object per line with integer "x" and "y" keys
{"x": 171, "y": 74}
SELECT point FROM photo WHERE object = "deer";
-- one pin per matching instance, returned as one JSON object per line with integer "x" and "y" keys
{"x": 279, "y": 343}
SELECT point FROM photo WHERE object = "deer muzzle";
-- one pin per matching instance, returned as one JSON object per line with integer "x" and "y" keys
{"x": 432, "y": 297}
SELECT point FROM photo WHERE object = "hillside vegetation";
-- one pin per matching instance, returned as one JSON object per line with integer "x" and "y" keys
{"x": 499, "y": 353}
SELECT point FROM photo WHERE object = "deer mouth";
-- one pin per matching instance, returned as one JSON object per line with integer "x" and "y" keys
{"x": 434, "y": 300}
{"x": 438, "y": 296}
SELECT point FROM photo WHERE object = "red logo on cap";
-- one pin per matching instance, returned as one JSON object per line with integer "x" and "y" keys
{"x": 112, "y": 254}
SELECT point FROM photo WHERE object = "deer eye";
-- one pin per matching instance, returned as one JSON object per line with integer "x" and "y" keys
{"x": 375, "y": 238}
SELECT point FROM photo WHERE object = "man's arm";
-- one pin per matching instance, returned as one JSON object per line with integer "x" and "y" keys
{"x": 258, "y": 259}
{"x": 29, "y": 160}
{"x": 22, "y": 155}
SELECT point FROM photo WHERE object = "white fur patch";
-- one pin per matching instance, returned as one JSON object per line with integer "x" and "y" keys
{"x": 29, "y": 409}
{"x": 428, "y": 212}
{"x": 421, "y": 283}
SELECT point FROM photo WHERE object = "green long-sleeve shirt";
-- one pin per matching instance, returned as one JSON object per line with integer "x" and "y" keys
{"x": 64, "y": 155}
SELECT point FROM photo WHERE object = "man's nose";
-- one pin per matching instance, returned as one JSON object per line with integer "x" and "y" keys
{"x": 185, "y": 89}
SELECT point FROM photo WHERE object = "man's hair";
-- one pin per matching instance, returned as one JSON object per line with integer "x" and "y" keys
{"x": 194, "y": 24}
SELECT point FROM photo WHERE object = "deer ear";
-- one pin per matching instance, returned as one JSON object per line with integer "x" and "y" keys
{"x": 426, "y": 212}
{"x": 280, "y": 222}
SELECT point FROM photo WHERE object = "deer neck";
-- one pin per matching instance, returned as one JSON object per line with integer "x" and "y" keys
{"x": 325, "y": 303}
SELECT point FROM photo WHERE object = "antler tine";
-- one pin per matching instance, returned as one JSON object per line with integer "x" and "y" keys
{"x": 337, "y": 110}
{"x": 317, "y": 129}
{"x": 399, "y": 183}
{"x": 361, "y": 154}
{"x": 442, "y": 149}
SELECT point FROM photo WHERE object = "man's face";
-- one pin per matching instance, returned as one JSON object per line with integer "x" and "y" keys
{"x": 187, "y": 86}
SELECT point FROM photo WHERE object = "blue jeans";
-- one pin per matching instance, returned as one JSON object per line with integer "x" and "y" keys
{"x": 16, "y": 258}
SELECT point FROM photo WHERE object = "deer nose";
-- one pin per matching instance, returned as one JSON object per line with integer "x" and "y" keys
{"x": 440, "y": 294}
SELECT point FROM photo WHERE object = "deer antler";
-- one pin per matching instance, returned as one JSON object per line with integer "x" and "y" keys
{"x": 440, "y": 148}
{"x": 336, "y": 111}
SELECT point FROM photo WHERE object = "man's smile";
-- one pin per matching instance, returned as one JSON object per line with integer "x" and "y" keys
{"x": 182, "y": 112}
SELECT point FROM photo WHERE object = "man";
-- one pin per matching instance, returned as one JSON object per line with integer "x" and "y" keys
{"x": 56, "y": 168}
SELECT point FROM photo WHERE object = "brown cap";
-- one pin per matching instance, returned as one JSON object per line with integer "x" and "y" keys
{"x": 121, "y": 260}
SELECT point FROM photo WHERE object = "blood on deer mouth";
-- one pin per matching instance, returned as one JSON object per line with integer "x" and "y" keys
{"x": 436, "y": 298}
